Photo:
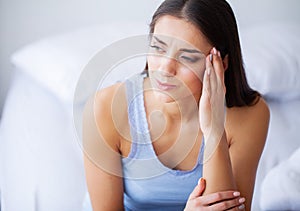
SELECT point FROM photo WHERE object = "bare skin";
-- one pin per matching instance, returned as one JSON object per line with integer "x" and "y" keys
{"x": 230, "y": 169}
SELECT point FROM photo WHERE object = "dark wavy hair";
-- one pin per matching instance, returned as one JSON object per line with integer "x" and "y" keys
{"x": 216, "y": 21}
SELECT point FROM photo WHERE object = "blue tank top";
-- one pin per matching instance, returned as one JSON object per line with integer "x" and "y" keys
{"x": 148, "y": 183}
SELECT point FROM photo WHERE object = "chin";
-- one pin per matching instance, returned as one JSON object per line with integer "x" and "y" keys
{"x": 164, "y": 97}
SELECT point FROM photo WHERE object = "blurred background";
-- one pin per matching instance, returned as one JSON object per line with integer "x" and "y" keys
{"x": 22, "y": 22}
{"x": 44, "y": 45}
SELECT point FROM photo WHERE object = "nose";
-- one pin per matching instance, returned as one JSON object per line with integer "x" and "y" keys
{"x": 168, "y": 66}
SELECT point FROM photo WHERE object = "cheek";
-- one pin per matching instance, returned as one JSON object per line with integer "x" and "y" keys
{"x": 192, "y": 78}
{"x": 195, "y": 86}
{"x": 194, "y": 70}
{"x": 195, "y": 83}
{"x": 197, "y": 80}
{"x": 153, "y": 62}
{"x": 198, "y": 73}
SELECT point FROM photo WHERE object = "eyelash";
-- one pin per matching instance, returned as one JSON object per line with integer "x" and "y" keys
{"x": 157, "y": 48}
{"x": 192, "y": 60}
{"x": 188, "y": 59}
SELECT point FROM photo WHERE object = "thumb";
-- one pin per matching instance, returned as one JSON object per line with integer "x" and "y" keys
{"x": 199, "y": 189}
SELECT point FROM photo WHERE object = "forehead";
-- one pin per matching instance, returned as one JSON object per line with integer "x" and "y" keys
{"x": 182, "y": 30}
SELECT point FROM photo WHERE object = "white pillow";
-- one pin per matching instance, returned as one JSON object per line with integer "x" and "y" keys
{"x": 272, "y": 59}
{"x": 281, "y": 187}
{"x": 57, "y": 61}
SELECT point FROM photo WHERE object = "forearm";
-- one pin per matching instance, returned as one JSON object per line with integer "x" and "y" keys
{"x": 217, "y": 168}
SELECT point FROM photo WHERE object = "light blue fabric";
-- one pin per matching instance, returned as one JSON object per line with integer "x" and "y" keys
{"x": 148, "y": 184}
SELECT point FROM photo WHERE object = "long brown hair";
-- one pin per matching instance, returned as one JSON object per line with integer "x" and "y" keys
{"x": 216, "y": 21}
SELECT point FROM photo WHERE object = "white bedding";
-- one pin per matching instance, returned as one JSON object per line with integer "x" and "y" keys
{"x": 280, "y": 189}
{"x": 283, "y": 139}
{"x": 42, "y": 165}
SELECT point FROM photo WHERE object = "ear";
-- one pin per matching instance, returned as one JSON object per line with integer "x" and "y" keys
{"x": 225, "y": 62}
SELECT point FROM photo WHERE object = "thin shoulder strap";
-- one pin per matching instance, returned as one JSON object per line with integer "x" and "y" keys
{"x": 136, "y": 110}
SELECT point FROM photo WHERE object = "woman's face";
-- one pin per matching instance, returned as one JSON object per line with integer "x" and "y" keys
{"x": 176, "y": 62}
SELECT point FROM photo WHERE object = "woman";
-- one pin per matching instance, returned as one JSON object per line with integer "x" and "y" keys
{"x": 149, "y": 140}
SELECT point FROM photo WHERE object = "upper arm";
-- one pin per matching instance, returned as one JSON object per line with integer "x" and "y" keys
{"x": 102, "y": 160}
{"x": 246, "y": 147}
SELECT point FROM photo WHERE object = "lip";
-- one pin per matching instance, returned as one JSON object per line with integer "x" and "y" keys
{"x": 164, "y": 86}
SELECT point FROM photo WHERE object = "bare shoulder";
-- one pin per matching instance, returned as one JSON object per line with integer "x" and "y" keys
{"x": 258, "y": 108}
{"x": 103, "y": 109}
{"x": 102, "y": 101}
{"x": 249, "y": 122}
{"x": 100, "y": 138}
{"x": 258, "y": 112}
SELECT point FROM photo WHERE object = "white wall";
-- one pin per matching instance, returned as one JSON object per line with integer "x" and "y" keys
{"x": 22, "y": 22}
{"x": 250, "y": 12}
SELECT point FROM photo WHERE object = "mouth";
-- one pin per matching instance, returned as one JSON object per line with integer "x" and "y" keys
{"x": 164, "y": 86}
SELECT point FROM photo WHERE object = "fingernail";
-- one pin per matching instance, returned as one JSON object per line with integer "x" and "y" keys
{"x": 215, "y": 51}
{"x": 242, "y": 200}
{"x": 210, "y": 57}
{"x": 241, "y": 207}
{"x": 199, "y": 181}
{"x": 236, "y": 193}
{"x": 219, "y": 54}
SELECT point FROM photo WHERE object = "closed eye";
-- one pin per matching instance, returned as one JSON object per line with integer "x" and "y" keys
{"x": 157, "y": 48}
{"x": 190, "y": 59}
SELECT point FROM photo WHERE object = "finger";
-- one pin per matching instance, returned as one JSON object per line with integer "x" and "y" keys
{"x": 218, "y": 63}
{"x": 237, "y": 208}
{"x": 202, "y": 184}
{"x": 211, "y": 73}
{"x": 214, "y": 81}
{"x": 198, "y": 190}
{"x": 209, "y": 60}
{"x": 232, "y": 204}
{"x": 219, "y": 196}
{"x": 206, "y": 80}
{"x": 218, "y": 66}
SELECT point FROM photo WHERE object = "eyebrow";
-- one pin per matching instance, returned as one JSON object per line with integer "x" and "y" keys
{"x": 160, "y": 41}
{"x": 182, "y": 49}
{"x": 190, "y": 50}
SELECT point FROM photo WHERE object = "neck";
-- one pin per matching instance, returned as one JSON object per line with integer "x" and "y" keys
{"x": 184, "y": 110}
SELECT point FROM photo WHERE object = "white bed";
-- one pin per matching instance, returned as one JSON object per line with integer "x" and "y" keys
{"x": 42, "y": 168}
{"x": 41, "y": 160}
